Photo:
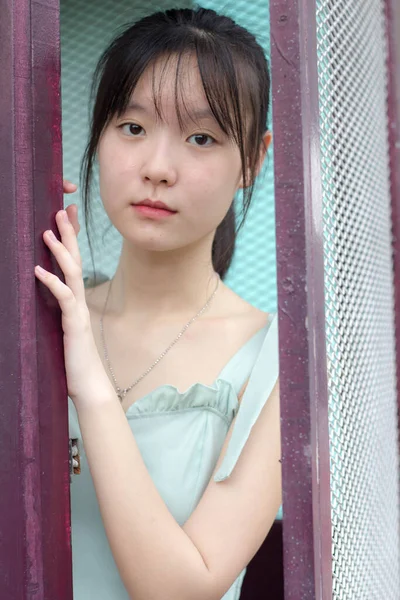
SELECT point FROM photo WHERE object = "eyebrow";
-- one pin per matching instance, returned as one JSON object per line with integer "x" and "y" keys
{"x": 198, "y": 115}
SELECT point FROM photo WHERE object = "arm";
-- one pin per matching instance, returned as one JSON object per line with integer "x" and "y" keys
{"x": 156, "y": 558}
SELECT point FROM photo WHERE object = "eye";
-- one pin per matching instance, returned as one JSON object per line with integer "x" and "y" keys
{"x": 132, "y": 129}
{"x": 202, "y": 139}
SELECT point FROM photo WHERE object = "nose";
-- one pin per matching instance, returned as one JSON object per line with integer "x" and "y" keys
{"x": 158, "y": 166}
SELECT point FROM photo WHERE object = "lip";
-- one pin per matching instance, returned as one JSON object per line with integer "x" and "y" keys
{"x": 150, "y": 211}
{"x": 155, "y": 204}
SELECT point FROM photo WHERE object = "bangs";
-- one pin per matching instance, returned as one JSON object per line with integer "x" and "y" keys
{"x": 226, "y": 87}
{"x": 224, "y": 91}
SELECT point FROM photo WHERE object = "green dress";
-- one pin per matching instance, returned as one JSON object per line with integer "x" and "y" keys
{"x": 180, "y": 436}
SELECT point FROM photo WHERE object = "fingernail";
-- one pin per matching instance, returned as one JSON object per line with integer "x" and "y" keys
{"x": 65, "y": 216}
{"x": 51, "y": 235}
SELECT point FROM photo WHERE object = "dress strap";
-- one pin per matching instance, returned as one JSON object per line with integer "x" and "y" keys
{"x": 260, "y": 385}
{"x": 238, "y": 369}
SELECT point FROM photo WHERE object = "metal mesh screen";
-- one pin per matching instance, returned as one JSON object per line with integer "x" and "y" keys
{"x": 359, "y": 300}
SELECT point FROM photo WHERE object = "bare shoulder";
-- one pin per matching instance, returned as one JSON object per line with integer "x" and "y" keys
{"x": 241, "y": 313}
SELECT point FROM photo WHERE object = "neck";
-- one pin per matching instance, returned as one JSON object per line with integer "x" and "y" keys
{"x": 157, "y": 285}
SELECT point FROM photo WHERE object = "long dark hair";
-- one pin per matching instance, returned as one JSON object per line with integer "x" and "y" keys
{"x": 236, "y": 81}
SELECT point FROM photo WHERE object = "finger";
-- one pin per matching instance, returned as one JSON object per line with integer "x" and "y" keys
{"x": 68, "y": 236}
{"x": 60, "y": 291}
{"x": 72, "y": 212}
{"x": 69, "y": 187}
{"x": 67, "y": 255}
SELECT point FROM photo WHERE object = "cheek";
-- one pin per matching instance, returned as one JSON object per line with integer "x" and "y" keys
{"x": 107, "y": 159}
{"x": 110, "y": 171}
{"x": 103, "y": 161}
{"x": 218, "y": 167}
{"x": 215, "y": 183}
{"x": 210, "y": 201}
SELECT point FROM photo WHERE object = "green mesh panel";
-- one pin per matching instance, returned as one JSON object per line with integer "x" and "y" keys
{"x": 86, "y": 28}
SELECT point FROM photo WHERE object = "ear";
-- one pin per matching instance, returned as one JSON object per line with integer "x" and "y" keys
{"x": 265, "y": 142}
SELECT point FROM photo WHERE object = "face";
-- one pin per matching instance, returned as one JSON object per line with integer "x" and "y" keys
{"x": 194, "y": 170}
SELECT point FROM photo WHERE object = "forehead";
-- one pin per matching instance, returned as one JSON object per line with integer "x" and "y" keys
{"x": 172, "y": 86}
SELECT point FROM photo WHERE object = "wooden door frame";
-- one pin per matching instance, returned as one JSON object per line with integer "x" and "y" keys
{"x": 307, "y": 538}
{"x": 35, "y": 540}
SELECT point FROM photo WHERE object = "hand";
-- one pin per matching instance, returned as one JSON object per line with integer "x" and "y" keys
{"x": 86, "y": 377}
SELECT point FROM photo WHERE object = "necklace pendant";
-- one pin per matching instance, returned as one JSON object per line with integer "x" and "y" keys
{"x": 121, "y": 395}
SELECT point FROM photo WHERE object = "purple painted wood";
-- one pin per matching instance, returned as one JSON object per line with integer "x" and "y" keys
{"x": 35, "y": 545}
{"x": 300, "y": 270}
{"x": 264, "y": 574}
{"x": 393, "y": 33}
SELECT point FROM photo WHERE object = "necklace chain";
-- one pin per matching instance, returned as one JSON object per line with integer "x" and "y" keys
{"x": 123, "y": 392}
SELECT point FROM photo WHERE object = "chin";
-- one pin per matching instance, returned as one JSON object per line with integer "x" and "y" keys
{"x": 150, "y": 243}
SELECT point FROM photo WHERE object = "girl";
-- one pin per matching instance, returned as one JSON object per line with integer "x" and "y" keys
{"x": 172, "y": 377}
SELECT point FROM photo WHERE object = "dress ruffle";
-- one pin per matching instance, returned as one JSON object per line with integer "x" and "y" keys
{"x": 220, "y": 398}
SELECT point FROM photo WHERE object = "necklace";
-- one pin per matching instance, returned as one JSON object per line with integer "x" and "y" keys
{"x": 121, "y": 393}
